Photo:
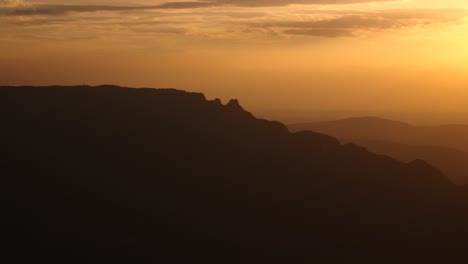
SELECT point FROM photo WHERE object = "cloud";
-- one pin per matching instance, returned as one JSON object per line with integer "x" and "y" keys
{"x": 11, "y": 3}
{"x": 258, "y": 3}
{"x": 319, "y": 32}
{"x": 217, "y": 23}
{"x": 343, "y": 24}
{"x": 19, "y": 8}
{"x": 185, "y": 5}
{"x": 9, "y": 9}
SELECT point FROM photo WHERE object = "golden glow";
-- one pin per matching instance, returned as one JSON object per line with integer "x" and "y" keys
{"x": 406, "y": 55}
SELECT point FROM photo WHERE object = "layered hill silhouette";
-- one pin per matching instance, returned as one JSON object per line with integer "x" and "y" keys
{"x": 442, "y": 146}
{"x": 374, "y": 128}
{"x": 452, "y": 162}
{"x": 110, "y": 173}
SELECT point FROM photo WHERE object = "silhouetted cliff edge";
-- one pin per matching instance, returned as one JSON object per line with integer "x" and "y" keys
{"x": 130, "y": 174}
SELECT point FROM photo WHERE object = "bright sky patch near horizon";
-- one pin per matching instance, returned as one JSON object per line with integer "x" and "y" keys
{"x": 304, "y": 55}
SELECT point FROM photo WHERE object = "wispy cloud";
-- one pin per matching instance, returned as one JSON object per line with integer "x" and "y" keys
{"x": 348, "y": 24}
{"x": 259, "y": 3}
{"x": 19, "y": 8}
{"x": 11, "y": 3}
{"x": 54, "y": 10}
{"x": 205, "y": 20}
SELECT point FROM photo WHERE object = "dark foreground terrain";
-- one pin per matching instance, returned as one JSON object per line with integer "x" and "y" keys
{"x": 105, "y": 174}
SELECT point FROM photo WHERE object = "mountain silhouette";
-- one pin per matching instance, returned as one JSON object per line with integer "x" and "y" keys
{"x": 452, "y": 162}
{"x": 109, "y": 174}
{"x": 374, "y": 128}
{"x": 442, "y": 146}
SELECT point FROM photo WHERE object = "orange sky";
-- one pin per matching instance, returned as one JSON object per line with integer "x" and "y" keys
{"x": 305, "y": 55}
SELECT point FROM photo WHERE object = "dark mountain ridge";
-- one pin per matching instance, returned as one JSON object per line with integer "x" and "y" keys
{"x": 122, "y": 174}
{"x": 374, "y": 128}
{"x": 452, "y": 162}
{"x": 443, "y": 146}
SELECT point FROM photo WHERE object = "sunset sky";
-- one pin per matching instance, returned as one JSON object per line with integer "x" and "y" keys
{"x": 304, "y": 55}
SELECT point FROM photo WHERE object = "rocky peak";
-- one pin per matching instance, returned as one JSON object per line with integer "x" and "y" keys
{"x": 234, "y": 104}
{"x": 217, "y": 102}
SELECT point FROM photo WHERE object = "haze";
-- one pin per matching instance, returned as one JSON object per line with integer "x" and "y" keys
{"x": 278, "y": 57}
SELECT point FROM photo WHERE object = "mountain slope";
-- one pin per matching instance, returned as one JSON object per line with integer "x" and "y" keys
{"x": 110, "y": 173}
{"x": 437, "y": 145}
{"x": 374, "y": 128}
{"x": 452, "y": 162}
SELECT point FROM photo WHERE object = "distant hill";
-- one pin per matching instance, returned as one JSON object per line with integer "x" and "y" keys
{"x": 104, "y": 174}
{"x": 374, "y": 128}
{"x": 442, "y": 146}
{"x": 452, "y": 162}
